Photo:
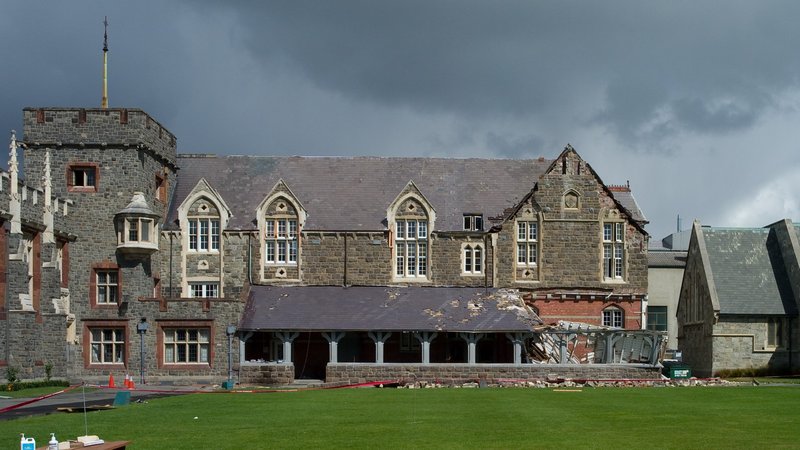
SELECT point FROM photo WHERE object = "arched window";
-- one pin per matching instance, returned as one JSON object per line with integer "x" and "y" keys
{"x": 280, "y": 232}
{"x": 411, "y": 240}
{"x": 203, "y": 226}
{"x": 472, "y": 258}
{"x": 613, "y": 317}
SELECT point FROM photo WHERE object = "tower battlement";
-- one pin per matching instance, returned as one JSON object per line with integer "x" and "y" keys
{"x": 98, "y": 128}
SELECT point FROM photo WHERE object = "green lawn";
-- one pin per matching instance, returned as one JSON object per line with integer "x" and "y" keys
{"x": 698, "y": 417}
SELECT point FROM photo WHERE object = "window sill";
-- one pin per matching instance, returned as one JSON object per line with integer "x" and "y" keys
{"x": 192, "y": 367}
{"x": 106, "y": 366}
{"x": 471, "y": 274}
{"x": 90, "y": 189}
{"x": 614, "y": 281}
{"x": 105, "y": 305}
{"x": 410, "y": 280}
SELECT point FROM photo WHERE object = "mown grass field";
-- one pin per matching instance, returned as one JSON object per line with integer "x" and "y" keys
{"x": 697, "y": 417}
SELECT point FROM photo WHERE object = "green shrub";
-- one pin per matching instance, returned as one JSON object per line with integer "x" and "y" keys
{"x": 48, "y": 371}
{"x": 12, "y": 374}
{"x": 20, "y": 385}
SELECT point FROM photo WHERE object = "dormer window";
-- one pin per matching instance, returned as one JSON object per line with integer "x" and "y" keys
{"x": 136, "y": 227}
{"x": 411, "y": 220}
{"x": 411, "y": 240}
{"x": 280, "y": 241}
{"x": 473, "y": 222}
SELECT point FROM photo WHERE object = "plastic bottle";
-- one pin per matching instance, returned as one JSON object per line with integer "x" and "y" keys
{"x": 27, "y": 443}
{"x": 53, "y": 444}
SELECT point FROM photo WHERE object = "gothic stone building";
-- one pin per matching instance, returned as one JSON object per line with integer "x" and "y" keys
{"x": 309, "y": 266}
{"x": 738, "y": 306}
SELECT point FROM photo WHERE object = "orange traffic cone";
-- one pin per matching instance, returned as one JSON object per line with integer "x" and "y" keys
{"x": 111, "y": 380}
{"x": 131, "y": 385}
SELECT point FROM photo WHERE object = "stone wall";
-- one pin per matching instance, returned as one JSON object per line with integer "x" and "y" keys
{"x": 740, "y": 342}
{"x": 266, "y": 374}
{"x": 459, "y": 373}
{"x": 129, "y": 127}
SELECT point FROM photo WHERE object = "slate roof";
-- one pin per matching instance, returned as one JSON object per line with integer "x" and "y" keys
{"x": 666, "y": 258}
{"x": 748, "y": 272}
{"x": 353, "y": 193}
{"x": 626, "y": 199}
{"x": 332, "y": 308}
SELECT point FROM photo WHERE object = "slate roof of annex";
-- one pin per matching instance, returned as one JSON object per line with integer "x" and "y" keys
{"x": 366, "y": 308}
{"x": 353, "y": 193}
{"x": 748, "y": 271}
{"x": 666, "y": 258}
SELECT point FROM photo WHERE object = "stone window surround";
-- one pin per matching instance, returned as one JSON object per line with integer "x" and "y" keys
{"x": 71, "y": 167}
{"x": 211, "y": 221}
{"x": 203, "y": 192}
{"x": 204, "y": 281}
{"x": 104, "y": 266}
{"x": 612, "y": 243}
{"x": 123, "y": 237}
{"x": 530, "y": 243}
{"x": 185, "y": 324}
{"x": 280, "y": 192}
{"x": 90, "y": 324}
{"x": 467, "y": 254}
{"x": 284, "y": 240}
{"x": 775, "y": 334}
{"x": 416, "y": 240}
{"x": 392, "y": 215}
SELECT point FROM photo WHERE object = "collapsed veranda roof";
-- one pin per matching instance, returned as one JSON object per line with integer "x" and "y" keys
{"x": 380, "y": 308}
{"x": 353, "y": 193}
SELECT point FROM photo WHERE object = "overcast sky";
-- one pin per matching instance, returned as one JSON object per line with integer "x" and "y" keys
{"x": 696, "y": 103}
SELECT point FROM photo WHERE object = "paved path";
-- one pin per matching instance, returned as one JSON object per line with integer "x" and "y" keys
{"x": 76, "y": 397}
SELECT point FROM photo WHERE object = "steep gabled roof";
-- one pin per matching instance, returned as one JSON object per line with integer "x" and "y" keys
{"x": 748, "y": 271}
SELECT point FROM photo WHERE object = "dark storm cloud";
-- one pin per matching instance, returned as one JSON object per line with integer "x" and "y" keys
{"x": 712, "y": 65}
{"x": 654, "y": 92}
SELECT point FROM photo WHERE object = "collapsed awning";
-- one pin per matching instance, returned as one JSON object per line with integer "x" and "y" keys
{"x": 332, "y": 308}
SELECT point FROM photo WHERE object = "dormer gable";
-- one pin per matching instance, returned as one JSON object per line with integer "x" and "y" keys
{"x": 410, "y": 203}
{"x": 203, "y": 198}
{"x": 280, "y": 201}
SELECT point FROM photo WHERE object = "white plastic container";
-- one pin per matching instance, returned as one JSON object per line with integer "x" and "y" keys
{"x": 27, "y": 443}
{"x": 53, "y": 444}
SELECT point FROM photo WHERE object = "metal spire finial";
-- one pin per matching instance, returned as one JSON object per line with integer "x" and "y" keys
{"x": 105, "y": 33}
{"x": 104, "y": 101}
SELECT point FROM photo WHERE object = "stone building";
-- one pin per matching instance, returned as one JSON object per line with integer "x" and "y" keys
{"x": 666, "y": 261}
{"x": 739, "y": 299}
{"x": 311, "y": 262}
